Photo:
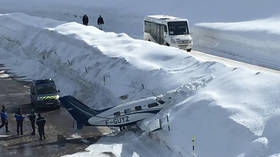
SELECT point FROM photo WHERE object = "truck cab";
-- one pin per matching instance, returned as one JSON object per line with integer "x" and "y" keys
{"x": 44, "y": 95}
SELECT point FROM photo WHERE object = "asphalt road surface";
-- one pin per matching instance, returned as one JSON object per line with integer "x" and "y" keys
{"x": 227, "y": 61}
{"x": 60, "y": 137}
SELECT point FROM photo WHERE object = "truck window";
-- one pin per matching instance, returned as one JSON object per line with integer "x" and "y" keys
{"x": 46, "y": 88}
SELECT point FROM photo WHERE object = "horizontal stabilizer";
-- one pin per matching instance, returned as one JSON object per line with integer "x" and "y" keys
{"x": 79, "y": 111}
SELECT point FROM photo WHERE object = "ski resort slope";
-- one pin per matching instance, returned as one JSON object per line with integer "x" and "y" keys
{"x": 231, "y": 111}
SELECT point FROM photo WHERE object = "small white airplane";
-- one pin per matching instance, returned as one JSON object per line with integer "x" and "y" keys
{"x": 119, "y": 116}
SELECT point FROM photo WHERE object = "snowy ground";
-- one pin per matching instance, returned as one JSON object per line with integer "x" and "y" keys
{"x": 232, "y": 111}
{"x": 127, "y": 16}
{"x": 130, "y": 145}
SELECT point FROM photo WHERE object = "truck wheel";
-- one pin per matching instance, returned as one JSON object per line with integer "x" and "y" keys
{"x": 189, "y": 50}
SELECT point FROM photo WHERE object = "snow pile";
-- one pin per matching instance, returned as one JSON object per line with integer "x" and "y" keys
{"x": 234, "y": 114}
{"x": 110, "y": 65}
{"x": 231, "y": 111}
{"x": 255, "y": 42}
{"x": 129, "y": 145}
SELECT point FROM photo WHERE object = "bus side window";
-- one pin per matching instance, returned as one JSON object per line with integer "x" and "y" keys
{"x": 147, "y": 27}
{"x": 138, "y": 108}
{"x": 116, "y": 114}
{"x": 165, "y": 29}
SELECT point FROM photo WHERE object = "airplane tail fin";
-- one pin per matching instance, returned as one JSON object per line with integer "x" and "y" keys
{"x": 79, "y": 111}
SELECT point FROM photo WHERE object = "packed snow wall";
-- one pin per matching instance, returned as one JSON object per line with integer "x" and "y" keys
{"x": 109, "y": 68}
{"x": 243, "y": 105}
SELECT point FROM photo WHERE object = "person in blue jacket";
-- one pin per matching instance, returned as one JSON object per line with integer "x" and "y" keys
{"x": 4, "y": 118}
{"x": 19, "y": 118}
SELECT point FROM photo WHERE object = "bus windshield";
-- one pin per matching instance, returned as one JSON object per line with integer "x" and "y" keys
{"x": 178, "y": 28}
{"x": 46, "y": 88}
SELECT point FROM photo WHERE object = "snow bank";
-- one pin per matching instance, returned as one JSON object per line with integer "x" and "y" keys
{"x": 110, "y": 65}
{"x": 130, "y": 145}
{"x": 231, "y": 116}
{"x": 255, "y": 42}
{"x": 231, "y": 111}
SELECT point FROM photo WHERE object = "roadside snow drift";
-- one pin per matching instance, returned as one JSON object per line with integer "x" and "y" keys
{"x": 255, "y": 42}
{"x": 231, "y": 111}
{"x": 112, "y": 65}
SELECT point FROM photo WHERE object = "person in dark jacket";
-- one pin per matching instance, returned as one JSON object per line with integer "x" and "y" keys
{"x": 19, "y": 118}
{"x": 85, "y": 20}
{"x": 41, "y": 126}
{"x": 100, "y": 22}
{"x": 4, "y": 118}
{"x": 32, "y": 118}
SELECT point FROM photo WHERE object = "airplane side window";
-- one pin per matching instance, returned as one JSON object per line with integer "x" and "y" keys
{"x": 152, "y": 105}
{"x": 127, "y": 111}
{"x": 137, "y": 108}
{"x": 117, "y": 114}
{"x": 160, "y": 101}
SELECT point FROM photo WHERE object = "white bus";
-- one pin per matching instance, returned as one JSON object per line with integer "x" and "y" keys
{"x": 168, "y": 30}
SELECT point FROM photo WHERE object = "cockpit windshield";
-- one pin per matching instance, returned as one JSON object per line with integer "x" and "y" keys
{"x": 178, "y": 28}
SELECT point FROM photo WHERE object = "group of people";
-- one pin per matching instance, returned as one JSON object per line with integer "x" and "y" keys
{"x": 100, "y": 21}
{"x": 40, "y": 121}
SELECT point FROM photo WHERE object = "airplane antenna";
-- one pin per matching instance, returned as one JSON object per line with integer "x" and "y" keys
{"x": 193, "y": 152}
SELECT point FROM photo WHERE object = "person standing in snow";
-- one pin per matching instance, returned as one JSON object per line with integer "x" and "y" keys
{"x": 4, "y": 118}
{"x": 85, "y": 20}
{"x": 100, "y": 22}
